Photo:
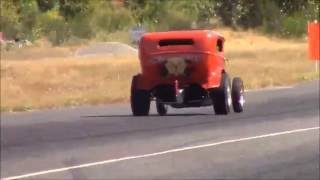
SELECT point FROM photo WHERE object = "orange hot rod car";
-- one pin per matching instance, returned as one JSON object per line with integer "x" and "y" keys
{"x": 184, "y": 69}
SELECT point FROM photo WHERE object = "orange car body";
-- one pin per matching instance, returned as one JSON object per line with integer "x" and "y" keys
{"x": 186, "y": 57}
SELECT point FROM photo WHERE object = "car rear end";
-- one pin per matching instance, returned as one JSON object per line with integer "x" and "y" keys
{"x": 182, "y": 69}
{"x": 186, "y": 57}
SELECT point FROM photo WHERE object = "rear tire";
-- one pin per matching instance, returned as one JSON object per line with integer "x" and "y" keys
{"x": 162, "y": 109}
{"x": 237, "y": 94}
{"x": 140, "y": 100}
{"x": 221, "y": 96}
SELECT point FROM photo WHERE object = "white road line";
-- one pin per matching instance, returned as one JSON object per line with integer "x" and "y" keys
{"x": 158, "y": 153}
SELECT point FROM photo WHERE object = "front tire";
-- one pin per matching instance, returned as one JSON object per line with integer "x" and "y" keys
{"x": 221, "y": 96}
{"x": 140, "y": 100}
{"x": 237, "y": 94}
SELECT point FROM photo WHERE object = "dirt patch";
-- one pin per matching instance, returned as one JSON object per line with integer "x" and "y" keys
{"x": 112, "y": 49}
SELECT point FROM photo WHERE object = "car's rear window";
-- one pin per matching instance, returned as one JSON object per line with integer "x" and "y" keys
{"x": 175, "y": 42}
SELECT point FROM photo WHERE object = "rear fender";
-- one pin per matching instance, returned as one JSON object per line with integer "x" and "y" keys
{"x": 214, "y": 79}
{"x": 143, "y": 83}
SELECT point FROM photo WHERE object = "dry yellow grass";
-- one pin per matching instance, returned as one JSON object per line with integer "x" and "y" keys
{"x": 54, "y": 83}
{"x": 56, "y": 80}
{"x": 267, "y": 61}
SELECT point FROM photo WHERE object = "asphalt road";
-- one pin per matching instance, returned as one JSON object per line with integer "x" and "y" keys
{"x": 277, "y": 137}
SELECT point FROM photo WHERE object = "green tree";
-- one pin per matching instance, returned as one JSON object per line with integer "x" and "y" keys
{"x": 54, "y": 27}
{"x": 289, "y": 7}
{"x": 29, "y": 13}
{"x": 271, "y": 17}
{"x": 107, "y": 18}
{"x": 70, "y": 8}
{"x": 45, "y": 5}
{"x": 248, "y": 14}
{"x": 9, "y": 19}
{"x": 312, "y": 11}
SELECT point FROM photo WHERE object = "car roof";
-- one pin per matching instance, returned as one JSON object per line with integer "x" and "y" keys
{"x": 194, "y": 34}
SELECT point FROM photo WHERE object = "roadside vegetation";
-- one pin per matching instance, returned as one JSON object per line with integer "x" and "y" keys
{"x": 30, "y": 81}
{"x": 65, "y": 22}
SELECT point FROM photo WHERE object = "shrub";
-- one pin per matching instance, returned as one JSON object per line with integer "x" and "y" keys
{"x": 54, "y": 27}
{"x": 271, "y": 17}
{"x": 294, "y": 26}
{"x": 169, "y": 15}
{"x": 80, "y": 26}
{"x": 9, "y": 19}
{"x": 30, "y": 12}
{"x": 176, "y": 20}
{"x": 108, "y": 19}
